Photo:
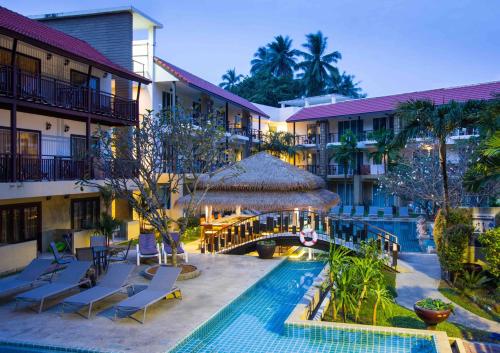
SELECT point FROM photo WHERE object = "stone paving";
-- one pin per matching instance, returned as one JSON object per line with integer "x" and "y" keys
{"x": 223, "y": 278}
{"x": 421, "y": 279}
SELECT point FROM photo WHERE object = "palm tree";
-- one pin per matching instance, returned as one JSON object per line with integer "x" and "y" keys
{"x": 421, "y": 118}
{"x": 279, "y": 143}
{"x": 230, "y": 79}
{"x": 260, "y": 63}
{"x": 336, "y": 260}
{"x": 344, "y": 84}
{"x": 345, "y": 289}
{"x": 367, "y": 273}
{"x": 386, "y": 151}
{"x": 383, "y": 298}
{"x": 317, "y": 65}
{"x": 345, "y": 154}
{"x": 281, "y": 58}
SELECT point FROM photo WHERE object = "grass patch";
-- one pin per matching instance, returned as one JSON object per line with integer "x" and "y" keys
{"x": 398, "y": 316}
{"x": 458, "y": 298}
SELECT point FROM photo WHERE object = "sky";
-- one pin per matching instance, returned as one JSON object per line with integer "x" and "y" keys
{"x": 391, "y": 46}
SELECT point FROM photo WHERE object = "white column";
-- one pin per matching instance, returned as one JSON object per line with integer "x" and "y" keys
{"x": 238, "y": 210}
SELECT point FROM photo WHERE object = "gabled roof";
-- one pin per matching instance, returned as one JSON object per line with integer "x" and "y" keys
{"x": 482, "y": 91}
{"x": 206, "y": 86}
{"x": 39, "y": 34}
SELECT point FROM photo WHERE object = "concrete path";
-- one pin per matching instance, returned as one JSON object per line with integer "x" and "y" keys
{"x": 421, "y": 280}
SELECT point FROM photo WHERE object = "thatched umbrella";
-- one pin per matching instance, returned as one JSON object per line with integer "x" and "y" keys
{"x": 263, "y": 183}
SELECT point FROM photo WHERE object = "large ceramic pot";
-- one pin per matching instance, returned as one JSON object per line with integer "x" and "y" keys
{"x": 266, "y": 248}
{"x": 431, "y": 317}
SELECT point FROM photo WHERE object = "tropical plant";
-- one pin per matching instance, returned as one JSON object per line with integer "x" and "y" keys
{"x": 452, "y": 248}
{"x": 434, "y": 304}
{"x": 439, "y": 228}
{"x": 279, "y": 143}
{"x": 280, "y": 57}
{"x": 344, "y": 84}
{"x": 345, "y": 154}
{"x": 337, "y": 259}
{"x": 421, "y": 118}
{"x": 260, "y": 62}
{"x": 345, "y": 291}
{"x": 230, "y": 79}
{"x": 367, "y": 274}
{"x": 382, "y": 298}
{"x": 317, "y": 65}
{"x": 473, "y": 280}
{"x": 385, "y": 150}
{"x": 107, "y": 225}
{"x": 491, "y": 247}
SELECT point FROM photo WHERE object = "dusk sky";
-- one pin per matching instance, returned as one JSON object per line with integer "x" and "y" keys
{"x": 391, "y": 46}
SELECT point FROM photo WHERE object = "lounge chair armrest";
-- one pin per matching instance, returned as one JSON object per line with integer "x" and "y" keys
{"x": 137, "y": 249}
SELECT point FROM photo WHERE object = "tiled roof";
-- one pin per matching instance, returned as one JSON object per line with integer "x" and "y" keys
{"x": 204, "y": 85}
{"x": 482, "y": 91}
{"x": 36, "y": 32}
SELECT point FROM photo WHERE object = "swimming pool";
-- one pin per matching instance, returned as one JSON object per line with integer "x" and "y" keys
{"x": 255, "y": 323}
{"x": 23, "y": 347}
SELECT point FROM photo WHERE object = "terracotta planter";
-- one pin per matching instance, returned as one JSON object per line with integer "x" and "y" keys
{"x": 431, "y": 317}
{"x": 266, "y": 249}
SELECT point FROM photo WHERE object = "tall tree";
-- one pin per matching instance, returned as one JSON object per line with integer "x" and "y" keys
{"x": 421, "y": 118}
{"x": 230, "y": 79}
{"x": 279, "y": 144}
{"x": 317, "y": 65}
{"x": 345, "y": 155}
{"x": 385, "y": 150}
{"x": 281, "y": 58}
{"x": 344, "y": 84}
{"x": 260, "y": 62}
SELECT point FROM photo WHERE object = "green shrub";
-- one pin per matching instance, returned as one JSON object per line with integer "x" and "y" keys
{"x": 434, "y": 304}
{"x": 191, "y": 221}
{"x": 458, "y": 216}
{"x": 491, "y": 246}
{"x": 452, "y": 248}
{"x": 439, "y": 227}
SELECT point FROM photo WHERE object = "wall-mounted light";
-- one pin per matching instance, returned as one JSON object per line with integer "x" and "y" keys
{"x": 66, "y": 128}
{"x": 105, "y": 75}
{"x": 66, "y": 62}
{"x": 49, "y": 56}
{"x": 48, "y": 126}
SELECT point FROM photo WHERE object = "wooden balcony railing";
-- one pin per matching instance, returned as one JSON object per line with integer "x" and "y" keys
{"x": 50, "y": 91}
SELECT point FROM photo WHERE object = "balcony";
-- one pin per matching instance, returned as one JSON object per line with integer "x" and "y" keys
{"x": 336, "y": 170}
{"x": 58, "y": 94}
{"x": 311, "y": 168}
{"x": 306, "y": 140}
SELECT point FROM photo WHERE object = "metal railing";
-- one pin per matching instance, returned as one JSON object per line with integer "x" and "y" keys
{"x": 311, "y": 168}
{"x": 306, "y": 139}
{"x": 54, "y": 92}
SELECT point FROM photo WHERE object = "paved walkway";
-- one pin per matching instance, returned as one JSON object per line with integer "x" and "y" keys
{"x": 223, "y": 278}
{"x": 421, "y": 280}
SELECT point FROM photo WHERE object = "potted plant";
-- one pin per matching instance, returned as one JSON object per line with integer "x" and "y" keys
{"x": 432, "y": 311}
{"x": 266, "y": 248}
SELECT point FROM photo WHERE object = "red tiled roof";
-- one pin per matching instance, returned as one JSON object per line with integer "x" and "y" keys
{"x": 203, "y": 85}
{"x": 482, "y": 91}
{"x": 36, "y": 32}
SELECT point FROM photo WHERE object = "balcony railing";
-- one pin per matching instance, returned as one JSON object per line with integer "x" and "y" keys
{"x": 238, "y": 129}
{"x": 311, "y": 168}
{"x": 306, "y": 139}
{"x": 338, "y": 170}
{"x": 53, "y": 92}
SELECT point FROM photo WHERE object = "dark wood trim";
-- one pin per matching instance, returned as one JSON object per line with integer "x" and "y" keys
{"x": 71, "y": 71}
{"x": 13, "y": 115}
{"x": 294, "y": 154}
{"x": 27, "y": 130}
{"x": 38, "y": 205}
{"x": 72, "y": 207}
{"x": 61, "y": 52}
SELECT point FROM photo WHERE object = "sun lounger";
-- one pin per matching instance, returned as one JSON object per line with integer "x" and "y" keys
{"x": 403, "y": 212}
{"x": 27, "y": 278}
{"x": 373, "y": 211}
{"x": 69, "y": 278}
{"x": 347, "y": 211}
{"x": 388, "y": 212}
{"x": 359, "y": 211}
{"x": 114, "y": 281}
{"x": 60, "y": 258}
{"x": 161, "y": 286}
{"x": 147, "y": 247}
{"x": 166, "y": 248}
{"x": 335, "y": 211}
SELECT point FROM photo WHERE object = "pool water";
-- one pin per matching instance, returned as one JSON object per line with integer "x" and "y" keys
{"x": 255, "y": 323}
{"x": 406, "y": 231}
{"x": 10, "y": 347}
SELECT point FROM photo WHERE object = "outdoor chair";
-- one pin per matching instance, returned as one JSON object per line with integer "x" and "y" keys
{"x": 113, "y": 282}
{"x": 69, "y": 278}
{"x": 346, "y": 212}
{"x": 166, "y": 247}
{"x": 98, "y": 240}
{"x": 61, "y": 259}
{"x": 403, "y": 212}
{"x": 359, "y": 211}
{"x": 27, "y": 279}
{"x": 147, "y": 248}
{"x": 373, "y": 211}
{"x": 388, "y": 213}
{"x": 161, "y": 286}
{"x": 122, "y": 255}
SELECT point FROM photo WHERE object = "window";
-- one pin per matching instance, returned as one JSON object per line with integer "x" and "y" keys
{"x": 166, "y": 100}
{"x": 79, "y": 79}
{"x": 19, "y": 223}
{"x": 85, "y": 213}
{"x": 79, "y": 146}
{"x": 24, "y": 62}
{"x": 356, "y": 126}
{"x": 165, "y": 196}
{"x": 28, "y": 142}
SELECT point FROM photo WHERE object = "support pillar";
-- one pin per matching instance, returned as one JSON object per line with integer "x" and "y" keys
{"x": 294, "y": 139}
{"x": 357, "y": 194}
{"x": 13, "y": 115}
{"x": 323, "y": 153}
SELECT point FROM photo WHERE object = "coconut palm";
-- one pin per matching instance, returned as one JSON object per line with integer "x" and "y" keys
{"x": 385, "y": 150}
{"x": 281, "y": 58}
{"x": 230, "y": 79}
{"x": 260, "y": 62}
{"x": 345, "y": 154}
{"x": 383, "y": 298}
{"x": 344, "y": 84}
{"x": 317, "y": 65}
{"x": 421, "y": 118}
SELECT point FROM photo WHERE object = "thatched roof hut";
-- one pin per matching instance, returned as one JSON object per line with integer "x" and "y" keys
{"x": 264, "y": 183}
